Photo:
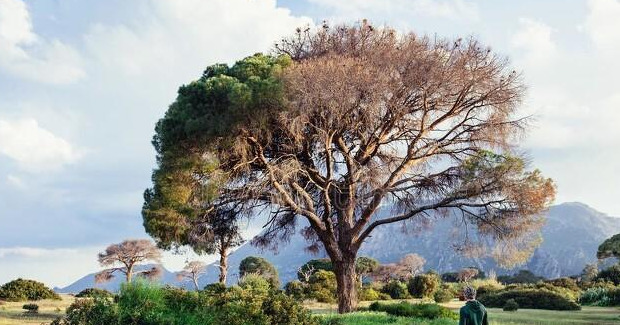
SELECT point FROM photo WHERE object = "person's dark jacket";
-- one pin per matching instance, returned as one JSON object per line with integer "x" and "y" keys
{"x": 473, "y": 313}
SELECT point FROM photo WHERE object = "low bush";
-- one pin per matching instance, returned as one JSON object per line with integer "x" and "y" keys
{"x": 530, "y": 298}
{"x": 94, "y": 292}
{"x": 405, "y": 309}
{"x": 396, "y": 290}
{"x": 322, "y": 286}
{"x": 423, "y": 285}
{"x": 567, "y": 283}
{"x": 31, "y": 308}
{"x": 443, "y": 295}
{"x": 23, "y": 290}
{"x": 368, "y": 294}
{"x": 599, "y": 296}
{"x": 295, "y": 289}
{"x": 142, "y": 303}
{"x": 510, "y": 305}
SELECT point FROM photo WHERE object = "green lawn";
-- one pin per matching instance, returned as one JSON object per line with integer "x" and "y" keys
{"x": 587, "y": 316}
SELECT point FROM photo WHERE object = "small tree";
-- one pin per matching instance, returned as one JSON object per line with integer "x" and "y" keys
{"x": 411, "y": 265}
{"x": 364, "y": 266}
{"x": 609, "y": 248}
{"x": 305, "y": 271}
{"x": 466, "y": 274}
{"x": 260, "y": 266}
{"x": 589, "y": 273}
{"x": 192, "y": 271}
{"x": 423, "y": 285}
{"x": 128, "y": 255}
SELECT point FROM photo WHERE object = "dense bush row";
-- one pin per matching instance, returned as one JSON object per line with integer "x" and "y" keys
{"x": 530, "y": 298}
{"x": 600, "y": 296}
{"x": 22, "y": 290}
{"x": 94, "y": 292}
{"x": 253, "y": 302}
{"x": 405, "y": 309}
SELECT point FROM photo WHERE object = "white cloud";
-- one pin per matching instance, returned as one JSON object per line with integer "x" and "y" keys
{"x": 16, "y": 182}
{"x": 602, "y": 25}
{"x": 180, "y": 38}
{"x": 33, "y": 147}
{"x": 31, "y": 252}
{"x": 405, "y": 9}
{"x": 534, "y": 38}
{"x": 24, "y": 54}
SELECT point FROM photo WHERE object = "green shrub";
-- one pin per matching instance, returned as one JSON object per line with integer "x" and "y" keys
{"x": 322, "y": 286}
{"x": 95, "y": 311}
{"x": 405, "y": 309}
{"x": 396, "y": 290}
{"x": 443, "y": 295}
{"x": 94, "y": 292}
{"x": 260, "y": 266}
{"x": 511, "y": 305}
{"x": 611, "y": 274}
{"x": 255, "y": 283}
{"x": 368, "y": 294}
{"x": 530, "y": 298}
{"x": 598, "y": 296}
{"x": 23, "y": 290}
{"x": 143, "y": 303}
{"x": 295, "y": 289}
{"x": 384, "y": 296}
{"x": 423, "y": 285}
{"x": 31, "y": 308}
{"x": 567, "y": 283}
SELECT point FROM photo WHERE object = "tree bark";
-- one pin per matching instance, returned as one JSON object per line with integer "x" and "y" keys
{"x": 129, "y": 273}
{"x": 195, "y": 280}
{"x": 346, "y": 284}
{"x": 223, "y": 265}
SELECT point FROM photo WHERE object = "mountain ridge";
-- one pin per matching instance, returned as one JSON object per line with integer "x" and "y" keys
{"x": 571, "y": 235}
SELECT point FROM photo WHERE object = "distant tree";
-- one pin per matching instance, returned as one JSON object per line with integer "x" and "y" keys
{"x": 364, "y": 266}
{"x": 611, "y": 274}
{"x": 589, "y": 273}
{"x": 305, "y": 271}
{"x": 466, "y": 274}
{"x": 411, "y": 265}
{"x": 260, "y": 266}
{"x": 523, "y": 276}
{"x": 128, "y": 255}
{"x": 343, "y": 121}
{"x": 609, "y": 248}
{"x": 192, "y": 271}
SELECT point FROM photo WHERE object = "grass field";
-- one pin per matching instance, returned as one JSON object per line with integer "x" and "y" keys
{"x": 11, "y": 313}
{"x": 586, "y": 316}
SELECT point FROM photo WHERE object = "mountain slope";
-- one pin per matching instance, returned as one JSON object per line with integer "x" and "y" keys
{"x": 571, "y": 237}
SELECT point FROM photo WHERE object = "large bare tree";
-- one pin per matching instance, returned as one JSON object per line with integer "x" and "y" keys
{"x": 125, "y": 256}
{"x": 361, "y": 118}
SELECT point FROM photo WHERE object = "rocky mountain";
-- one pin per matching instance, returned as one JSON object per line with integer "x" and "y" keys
{"x": 571, "y": 236}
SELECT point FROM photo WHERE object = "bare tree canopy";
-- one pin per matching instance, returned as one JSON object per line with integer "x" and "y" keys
{"x": 363, "y": 117}
{"x": 467, "y": 274}
{"x": 129, "y": 254}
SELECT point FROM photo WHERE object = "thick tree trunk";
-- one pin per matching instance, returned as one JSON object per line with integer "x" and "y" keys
{"x": 223, "y": 265}
{"x": 347, "y": 288}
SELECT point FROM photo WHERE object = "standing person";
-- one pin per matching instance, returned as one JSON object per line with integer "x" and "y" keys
{"x": 473, "y": 313}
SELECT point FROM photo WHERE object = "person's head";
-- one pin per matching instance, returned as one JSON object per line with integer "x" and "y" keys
{"x": 469, "y": 293}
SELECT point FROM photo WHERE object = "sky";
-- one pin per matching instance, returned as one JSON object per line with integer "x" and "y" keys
{"x": 82, "y": 83}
